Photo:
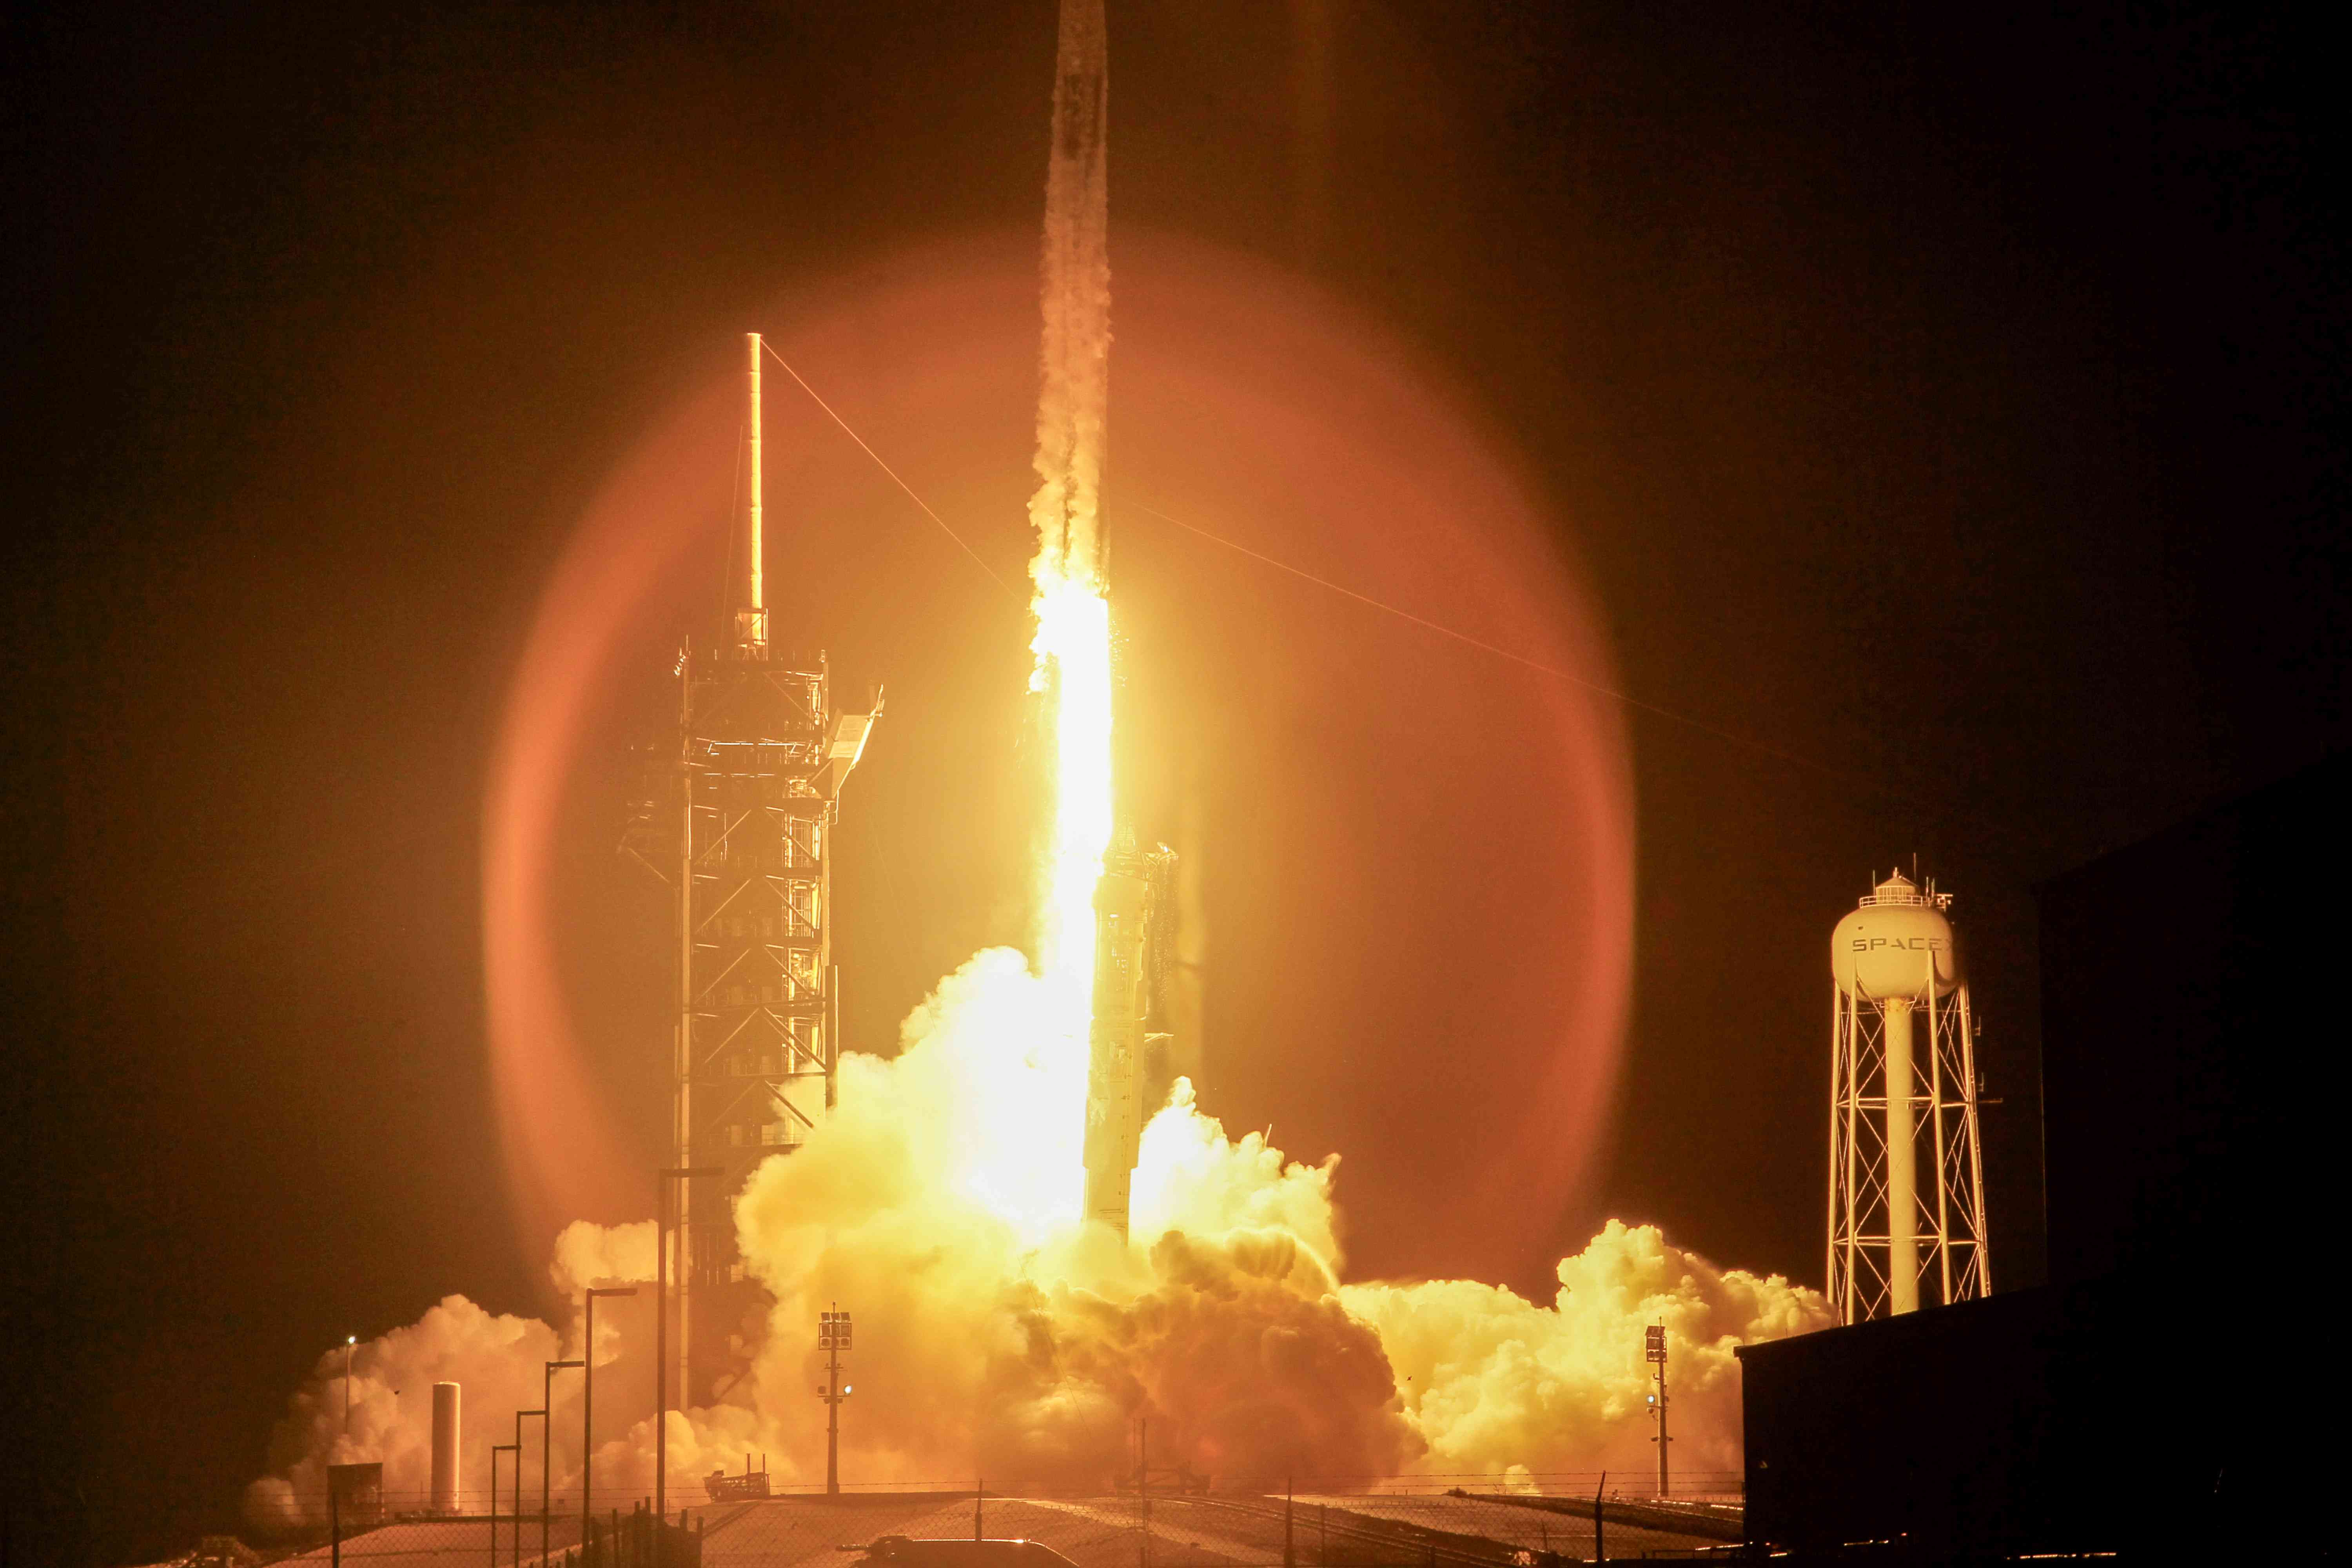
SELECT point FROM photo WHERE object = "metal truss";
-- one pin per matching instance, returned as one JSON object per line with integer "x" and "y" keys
{"x": 1953, "y": 1252}
{"x": 737, "y": 823}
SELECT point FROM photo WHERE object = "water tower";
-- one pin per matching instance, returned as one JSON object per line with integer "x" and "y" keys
{"x": 1906, "y": 1168}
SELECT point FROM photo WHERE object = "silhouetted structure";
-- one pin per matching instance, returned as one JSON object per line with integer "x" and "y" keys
{"x": 2160, "y": 1389}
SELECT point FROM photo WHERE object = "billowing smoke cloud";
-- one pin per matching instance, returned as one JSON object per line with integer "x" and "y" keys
{"x": 1497, "y": 1382}
{"x": 982, "y": 1351}
{"x": 495, "y": 1358}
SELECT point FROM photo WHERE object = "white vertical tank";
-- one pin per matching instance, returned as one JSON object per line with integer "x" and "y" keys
{"x": 444, "y": 1448}
{"x": 1895, "y": 964}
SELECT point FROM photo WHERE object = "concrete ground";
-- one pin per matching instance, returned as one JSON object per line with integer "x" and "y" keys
{"x": 1224, "y": 1531}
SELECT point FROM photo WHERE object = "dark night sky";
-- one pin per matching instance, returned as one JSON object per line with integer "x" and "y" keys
{"x": 1952, "y": 403}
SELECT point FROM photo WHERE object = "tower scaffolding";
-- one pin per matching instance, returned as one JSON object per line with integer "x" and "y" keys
{"x": 739, "y": 825}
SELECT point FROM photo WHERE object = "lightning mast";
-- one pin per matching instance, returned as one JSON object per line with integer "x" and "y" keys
{"x": 739, "y": 823}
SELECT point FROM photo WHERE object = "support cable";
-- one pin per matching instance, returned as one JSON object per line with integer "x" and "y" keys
{"x": 1553, "y": 670}
{"x": 1630, "y": 701}
{"x": 886, "y": 468}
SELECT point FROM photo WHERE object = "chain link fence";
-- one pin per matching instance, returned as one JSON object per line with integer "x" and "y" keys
{"x": 1535, "y": 1521}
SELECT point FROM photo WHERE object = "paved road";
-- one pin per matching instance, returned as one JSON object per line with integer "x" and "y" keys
{"x": 1241, "y": 1531}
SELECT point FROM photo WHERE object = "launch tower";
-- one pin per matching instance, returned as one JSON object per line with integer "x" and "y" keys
{"x": 1903, "y": 1094}
{"x": 739, "y": 822}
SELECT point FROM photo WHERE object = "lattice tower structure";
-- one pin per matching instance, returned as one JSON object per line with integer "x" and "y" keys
{"x": 739, "y": 821}
{"x": 1906, "y": 1213}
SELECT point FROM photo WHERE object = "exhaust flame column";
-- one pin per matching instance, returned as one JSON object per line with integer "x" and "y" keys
{"x": 1894, "y": 1086}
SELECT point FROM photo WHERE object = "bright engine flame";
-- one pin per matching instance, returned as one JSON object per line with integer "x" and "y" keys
{"x": 1046, "y": 1162}
{"x": 1072, "y": 674}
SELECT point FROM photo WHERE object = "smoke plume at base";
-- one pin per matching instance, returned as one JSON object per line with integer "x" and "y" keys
{"x": 984, "y": 1350}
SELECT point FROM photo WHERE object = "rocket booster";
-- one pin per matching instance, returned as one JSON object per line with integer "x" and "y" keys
{"x": 1128, "y": 1046}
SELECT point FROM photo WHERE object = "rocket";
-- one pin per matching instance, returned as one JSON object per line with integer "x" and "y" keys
{"x": 1128, "y": 1044}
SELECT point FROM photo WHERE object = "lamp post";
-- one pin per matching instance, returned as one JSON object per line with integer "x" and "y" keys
{"x": 588, "y": 1410}
{"x": 1654, "y": 1350}
{"x": 496, "y": 1449}
{"x": 664, "y": 1197}
{"x": 517, "y": 1476}
{"x": 832, "y": 1338}
{"x": 547, "y": 1444}
{"x": 350, "y": 1342}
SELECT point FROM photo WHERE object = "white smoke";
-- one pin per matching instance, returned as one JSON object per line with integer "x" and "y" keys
{"x": 1224, "y": 1322}
{"x": 495, "y": 1358}
{"x": 1497, "y": 1382}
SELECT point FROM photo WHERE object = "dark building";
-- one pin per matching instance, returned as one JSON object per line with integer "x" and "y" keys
{"x": 2169, "y": 1391}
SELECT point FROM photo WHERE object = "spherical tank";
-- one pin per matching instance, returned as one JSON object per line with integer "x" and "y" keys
{"x": 1895, "y": 946}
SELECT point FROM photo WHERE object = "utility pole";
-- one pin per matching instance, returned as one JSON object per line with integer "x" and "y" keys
{"x": 665, "y": 1195}
{"x": 588, "y": 1411}
{"x": 832, "y": 1338}
{"x": 547, "y": 1444}
{"x": 496, "y": 1449}
{"x": 1654, "y": 1340}
{"x": 1143, "y": 1489}
{"x": 544, "y": 1433}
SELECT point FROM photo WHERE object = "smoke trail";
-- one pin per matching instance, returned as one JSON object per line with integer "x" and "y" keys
{"x": 1074, "y": 383}
{"x": 1072, "y": 673}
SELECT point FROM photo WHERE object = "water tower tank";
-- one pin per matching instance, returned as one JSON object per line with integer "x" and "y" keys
{"x": 1895, "y": 945}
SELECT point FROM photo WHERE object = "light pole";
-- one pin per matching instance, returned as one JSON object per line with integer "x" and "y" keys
{"x": 588, "y": 1410}
{"x": 496, "y": 1449}
{"x": 1654, "y": 1348}
{"x": 664, "y": 1197}
{"x": 350, "y": 1342}
{"x": 547, "y": 1444}
{"x": 832, "y": 1338}
{"x": 517, "y": 1477}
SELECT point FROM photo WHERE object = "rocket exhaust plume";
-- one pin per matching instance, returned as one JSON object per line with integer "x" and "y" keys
{"x": 946, "y": 1199}
{"x": 1072, "y": 674}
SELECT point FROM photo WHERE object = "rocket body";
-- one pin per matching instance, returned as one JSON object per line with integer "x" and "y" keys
{"x": 1128, "y": 1043}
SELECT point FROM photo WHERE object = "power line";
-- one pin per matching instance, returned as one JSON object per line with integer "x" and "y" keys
{"x": 1553, "y": 670}
{"x": 1556, "y": 673}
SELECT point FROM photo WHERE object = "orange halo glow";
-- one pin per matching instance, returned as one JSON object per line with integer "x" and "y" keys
{"x": 1249, "y": 403}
